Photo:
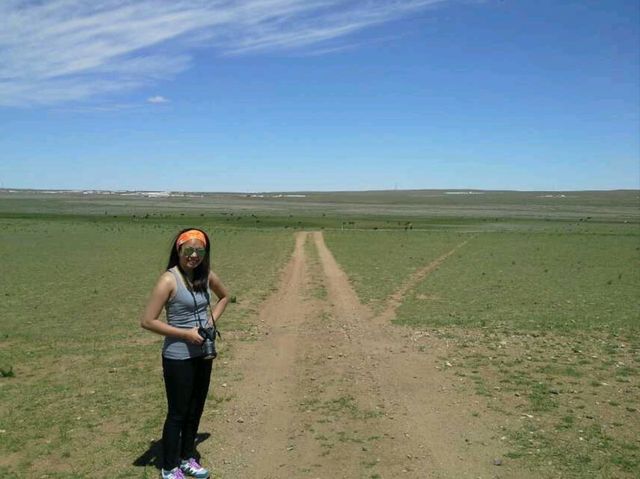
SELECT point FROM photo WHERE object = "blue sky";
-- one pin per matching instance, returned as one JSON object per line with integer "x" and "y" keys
{"x": 285, "y": 95}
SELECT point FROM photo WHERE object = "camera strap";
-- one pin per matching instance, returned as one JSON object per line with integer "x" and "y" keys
{"x": 189, "y": 287}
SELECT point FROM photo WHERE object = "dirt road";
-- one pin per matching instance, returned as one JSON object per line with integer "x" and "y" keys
{"x": 330, "y": 390}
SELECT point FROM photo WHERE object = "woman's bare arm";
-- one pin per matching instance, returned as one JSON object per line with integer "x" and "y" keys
{"x": 221, "y": 293}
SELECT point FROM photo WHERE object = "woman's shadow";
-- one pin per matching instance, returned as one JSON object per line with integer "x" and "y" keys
{"x": 153, "y": 455}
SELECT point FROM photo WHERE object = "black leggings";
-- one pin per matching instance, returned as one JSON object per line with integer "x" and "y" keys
{"x": 187, "y": 384}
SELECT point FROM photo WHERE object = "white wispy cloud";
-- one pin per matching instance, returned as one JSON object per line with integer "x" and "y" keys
{"x": 157, "y": 99}
{"x": 61, "y": 51}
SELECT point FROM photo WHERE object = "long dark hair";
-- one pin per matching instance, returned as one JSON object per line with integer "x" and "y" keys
{"x": 200, "y": 279}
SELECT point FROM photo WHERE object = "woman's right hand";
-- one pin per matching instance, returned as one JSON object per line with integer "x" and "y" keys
{"x": 193, "y": 336}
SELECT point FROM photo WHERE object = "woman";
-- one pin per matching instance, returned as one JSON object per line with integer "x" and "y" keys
{"x": 183, "y": 291}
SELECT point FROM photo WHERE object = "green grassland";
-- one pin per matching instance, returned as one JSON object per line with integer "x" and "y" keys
{"x": 337, "y": 209}
{"x": 529, "y": 281}
{"x": 377, "y": 262}
{"x": 86, "y": 387}
{"x": 532, "y": 282}
{"x": 544, "y": 326}
{"x": 542, "y": 296}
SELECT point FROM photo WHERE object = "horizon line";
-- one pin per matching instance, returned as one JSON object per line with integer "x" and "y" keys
{"x": 270, "y": 192}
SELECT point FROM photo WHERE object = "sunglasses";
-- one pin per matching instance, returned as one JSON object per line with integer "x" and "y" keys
{"x": 188, "y": 251}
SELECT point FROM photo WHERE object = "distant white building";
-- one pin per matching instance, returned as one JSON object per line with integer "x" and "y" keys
{"x": 464, "y": 193}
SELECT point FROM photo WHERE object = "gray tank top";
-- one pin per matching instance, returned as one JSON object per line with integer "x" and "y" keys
{"x": 180, "y": 313}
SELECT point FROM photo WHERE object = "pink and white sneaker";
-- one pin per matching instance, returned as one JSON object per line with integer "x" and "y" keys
{"x": 175, "y": 473}
{"x": 191, "y": 468}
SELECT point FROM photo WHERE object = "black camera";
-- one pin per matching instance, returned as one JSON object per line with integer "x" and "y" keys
{"x": 209, "y": 343}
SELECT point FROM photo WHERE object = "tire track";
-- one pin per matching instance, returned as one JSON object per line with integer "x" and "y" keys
{"x": 256, "y": 435}
{"x": 329, "y": 391}
{"x": 432, "y": 429}
{"x": 395, "y": 300}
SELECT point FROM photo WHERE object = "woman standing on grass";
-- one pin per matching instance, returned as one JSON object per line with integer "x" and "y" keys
{"x": 184, "y": 292}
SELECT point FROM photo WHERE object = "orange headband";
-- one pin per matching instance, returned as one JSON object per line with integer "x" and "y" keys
{"x": 189, "y": 235}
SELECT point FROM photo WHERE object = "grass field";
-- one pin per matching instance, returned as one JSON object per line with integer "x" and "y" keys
{"x": 541, "y": 301}
{"x": 545, "y": 327}
{"x": 85, "y": 387}
{"x": 387, "y": 209}
{"x": 562, "y": 281}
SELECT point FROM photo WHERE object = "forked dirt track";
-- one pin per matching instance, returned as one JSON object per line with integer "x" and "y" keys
{"x": 329, "y": 390}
